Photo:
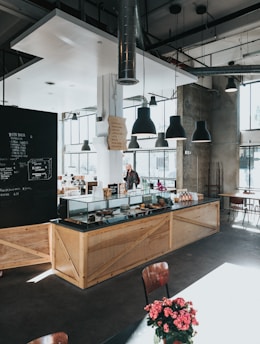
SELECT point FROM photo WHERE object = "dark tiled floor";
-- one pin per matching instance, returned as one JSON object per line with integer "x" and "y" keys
{"x": 29, "y": 310}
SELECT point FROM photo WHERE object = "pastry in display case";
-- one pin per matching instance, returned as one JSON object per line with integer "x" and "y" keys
{"x": 88, "y": 212}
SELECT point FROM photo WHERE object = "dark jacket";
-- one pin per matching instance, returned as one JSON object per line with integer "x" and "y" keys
{"x": 131, "y": 178}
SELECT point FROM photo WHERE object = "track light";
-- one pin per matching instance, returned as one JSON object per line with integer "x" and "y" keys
{"x": 231, "y": 86}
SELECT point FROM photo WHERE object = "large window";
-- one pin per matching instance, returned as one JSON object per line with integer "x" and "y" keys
{"x": 75, "y": 161}
{"x": 160, "y": 115}
{"x": 249, "y": 120}
{"x": 151, "y": 163}
{"x": 249, "y": 167}
{"x": 250, "y": 106}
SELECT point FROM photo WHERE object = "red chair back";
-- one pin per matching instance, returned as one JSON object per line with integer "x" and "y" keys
{"x": 53, "y": 338}
{"x": 155, "y": 276}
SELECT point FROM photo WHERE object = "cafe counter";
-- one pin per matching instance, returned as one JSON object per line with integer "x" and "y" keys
{"x": 85, "y": 257}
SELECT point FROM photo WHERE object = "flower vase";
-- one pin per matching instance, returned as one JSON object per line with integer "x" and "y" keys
{"x": 174, "y": 342}
{"x": 157, "y": 340}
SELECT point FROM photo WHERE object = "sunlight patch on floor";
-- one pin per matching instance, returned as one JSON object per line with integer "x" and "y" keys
{"x": 41, "y": 276}
{"x": 249, "y": 229}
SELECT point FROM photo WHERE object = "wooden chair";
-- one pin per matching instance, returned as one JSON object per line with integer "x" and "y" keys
{"x": 155, "y": 276}
{"x": 52, "y": 338}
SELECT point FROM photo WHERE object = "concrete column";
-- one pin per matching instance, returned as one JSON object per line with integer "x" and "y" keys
{"x": 109, "y": 103}
{"x": 226, "y": 133}
{"x": 203, "y": 161}
{"x": 194, "y": 103}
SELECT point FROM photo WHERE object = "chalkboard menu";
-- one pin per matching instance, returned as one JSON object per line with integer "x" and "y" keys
{"x": 28, "y": 166}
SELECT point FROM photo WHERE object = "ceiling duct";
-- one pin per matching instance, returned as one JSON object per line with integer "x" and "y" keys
{"x": 127, "y": 42}
{"x": 226, "y": 70}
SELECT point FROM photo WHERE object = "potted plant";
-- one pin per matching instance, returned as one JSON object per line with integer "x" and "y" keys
{"x": 174, "y": 320}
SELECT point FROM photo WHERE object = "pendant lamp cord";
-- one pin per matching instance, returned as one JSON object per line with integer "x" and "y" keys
{"x": 144, "y": 99}
{"x": 164, "y": 116}
{"x": 203, "y": 61}
{"x": 114, "y": 95}
{"x": 175, "y": 92}
{"x": 3, "y": 77}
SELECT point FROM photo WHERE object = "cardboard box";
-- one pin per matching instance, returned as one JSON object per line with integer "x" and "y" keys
{"x": 200, "y": 196}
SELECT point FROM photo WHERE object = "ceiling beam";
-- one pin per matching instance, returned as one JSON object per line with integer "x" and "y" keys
{"x": 199, "y": 29}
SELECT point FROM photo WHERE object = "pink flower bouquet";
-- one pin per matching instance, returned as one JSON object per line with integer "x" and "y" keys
{"x": 173, "y": 318}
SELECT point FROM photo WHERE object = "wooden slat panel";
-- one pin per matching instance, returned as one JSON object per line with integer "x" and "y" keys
{"x": 112, "y": 252}
{"x": 66, "y": 254}
{"x": 25, "y": 245}
{"x": 192, "y": 224}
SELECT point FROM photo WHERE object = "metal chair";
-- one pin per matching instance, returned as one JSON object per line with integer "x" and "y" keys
{"x": 257, "y": 211}
{"x": 52, "y": 338}
{"x": 155, "y": 276}
{"x": 236, "y": 205}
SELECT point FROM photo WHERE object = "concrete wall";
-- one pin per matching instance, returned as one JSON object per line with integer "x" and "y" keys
{"x": 215, "y": 163}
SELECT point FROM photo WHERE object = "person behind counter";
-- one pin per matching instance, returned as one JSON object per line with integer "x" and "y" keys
{"x": 131, "y": 177}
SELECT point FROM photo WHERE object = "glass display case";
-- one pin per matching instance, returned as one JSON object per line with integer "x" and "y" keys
{"x": 89, "y": 212}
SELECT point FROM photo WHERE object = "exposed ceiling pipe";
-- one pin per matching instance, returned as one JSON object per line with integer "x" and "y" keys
{"x": 223, "y": 70}
{"x": 226, "y": 70}
{"x": 127, "y": 42}
{"x": 139, "y": 31}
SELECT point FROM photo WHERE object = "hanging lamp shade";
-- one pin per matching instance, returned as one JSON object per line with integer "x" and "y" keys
{"x": 133, "y": 143}
{"x": 85, "y": 146}
{"x": 74, "y": 117}
{"x": 201, "y": 133}
{"x": 231, "y": 86}
{"x": 175, "y": 130}
{"x": 143, "y": 126}
{"x": 153, "y": 101}
{"x": 161, "y": 142}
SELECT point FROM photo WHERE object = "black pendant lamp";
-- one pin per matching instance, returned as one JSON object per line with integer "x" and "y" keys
{"x": 175, "y": 130}
{"x": 85, "y": 146}
{"x": 201, "y": 133}
{"x": 143, "y": 126}
{"x": 161, "y": 142}
{"x": 133, "y": 143}
{"x": 231, "y": 86}
{"x": 74, "y": 117}
{"x": 153, "y": 101}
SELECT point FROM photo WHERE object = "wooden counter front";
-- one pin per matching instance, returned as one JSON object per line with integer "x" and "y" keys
{"x": 87, "y": 258}
{"x": 191, "y": 224}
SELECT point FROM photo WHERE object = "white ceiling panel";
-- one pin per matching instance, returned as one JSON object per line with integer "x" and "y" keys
{"x": 73, "y": 54}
